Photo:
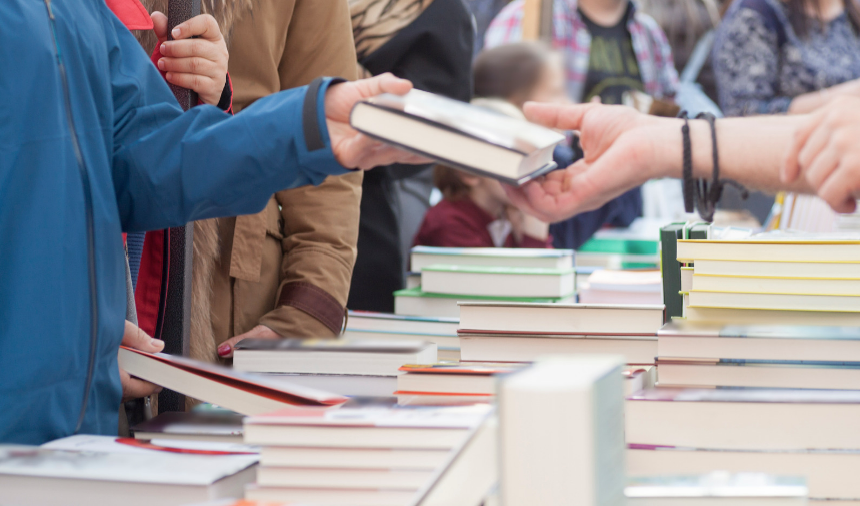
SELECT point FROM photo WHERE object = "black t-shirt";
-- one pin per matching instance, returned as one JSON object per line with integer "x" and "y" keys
{"x": 612, "y": 65}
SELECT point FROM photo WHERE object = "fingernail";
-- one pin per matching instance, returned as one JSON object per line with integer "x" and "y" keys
{"x": 158, "y": 343}
{"x": 163, "y": 48}
{"x": 176, "y": 31}
{"x": 224, "y": 349}
{"x": 161, "y": 64}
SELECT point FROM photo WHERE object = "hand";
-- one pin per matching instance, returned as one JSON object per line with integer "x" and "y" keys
{"x": 133, "y": 337}
{"x": 198, "y": 64}
{"x": 825, "y": 150}
{"x": 619, "y": 148}
{"x": 526, "y": 225}
{"x": 259, "y": 332}
{"x": 351, "y": 148}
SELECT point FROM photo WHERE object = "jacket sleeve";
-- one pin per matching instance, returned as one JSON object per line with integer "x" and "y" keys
{"x": 320, "y": 223}
{"x": 171, "y": 167}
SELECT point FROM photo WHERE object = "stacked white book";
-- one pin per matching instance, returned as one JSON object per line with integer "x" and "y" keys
{"x": 774, "y": 278}
{"x": 717, "y": 488}
{"x": 622, "y": 287}
{"x": 450, "y": 275}
{"x": 369, "y": 455}
{"x": 442, "y": 331}
{"x": 521, "y": 332}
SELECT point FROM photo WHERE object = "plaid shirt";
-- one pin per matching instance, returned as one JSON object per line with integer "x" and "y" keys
{"x": 570, "y": 34}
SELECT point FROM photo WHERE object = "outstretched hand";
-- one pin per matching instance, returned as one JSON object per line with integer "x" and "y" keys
{"x": 351, "y": 148}
{"x": 826, "y": 152}
{"x": 618, "y": 150}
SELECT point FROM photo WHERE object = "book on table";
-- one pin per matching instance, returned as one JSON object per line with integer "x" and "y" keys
{"x": 717, "y": 488}
{"x": 466, "y": 378}
{"x": 243, "y": 393}
{"x": 622, "y": 287}
{"x": 775, "y": 301}
{"x": 773, "y": 247}
{"x": 775, "y": 285}
{"x": 329, "y": 356}
{"x": 561, "y": 427}
{"x": 538, "y": 258}
{"x": 731, "y": 316}
{"x": 491, "y": 281}
{"x": 84, "y": 470}
{"x": 455, "y": 133}
{"x": 778, "y": 269}
{"x": 415, "y": 302}
{"x": 366, "y": 325}
{"x": 192, "y": 426}
{"x": 706, "y": 373}
{"x": 744, "y": 418}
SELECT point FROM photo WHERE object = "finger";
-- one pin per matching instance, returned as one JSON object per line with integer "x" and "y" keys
{"x": 822, "y": 166}
{"x": 194, "y": 82}
{"x": 813, "y": 146}
{"x": 203, "y": 26}
{"x": 568, "y": 117}
{"x": 133, "y": 388}
{"x": 383, "y": 83}
{"x": 134, "y": 337}
{"x": 200, "y": 66}
{"x": 838, "y": 190}
{"x": 790, "y": 169}
{"x": 191, "y": 48}
{"x": 159, "y": 26}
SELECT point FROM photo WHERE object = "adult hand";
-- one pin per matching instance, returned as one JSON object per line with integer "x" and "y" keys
{"x": 351, "y": 148}
{"x": 133, "y": 337}
{"x": 260, "y": 331}
{"x": 826, "y": 152}
{"x": 198, "y": 64}
{"x": 619, "y": 155}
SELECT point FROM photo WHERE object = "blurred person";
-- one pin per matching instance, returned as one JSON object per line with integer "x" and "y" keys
{"x": 528, "y": 71}
{"x": 428, "y": 42}
{"x": 99, "y": 136}
{"x": 609, "y": 48}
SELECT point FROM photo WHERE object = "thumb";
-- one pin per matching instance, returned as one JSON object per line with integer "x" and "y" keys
{"x": 159, "y": 26}
{"x": 134, "y": 337}
{"x": 383, "y": 83}
{"x": 203, "y": 26}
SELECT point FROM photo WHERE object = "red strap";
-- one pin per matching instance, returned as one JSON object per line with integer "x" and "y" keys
{"x": 147, "y": 293}
{"x": 131, "y": 13}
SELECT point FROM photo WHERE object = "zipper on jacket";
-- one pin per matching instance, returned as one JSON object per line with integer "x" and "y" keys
{"x": 88, "y": 200}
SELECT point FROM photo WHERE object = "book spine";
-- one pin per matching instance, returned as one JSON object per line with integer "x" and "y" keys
{"x": 671, "y": 271}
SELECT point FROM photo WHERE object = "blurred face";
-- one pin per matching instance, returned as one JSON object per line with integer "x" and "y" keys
{"x": 550, "y": 88}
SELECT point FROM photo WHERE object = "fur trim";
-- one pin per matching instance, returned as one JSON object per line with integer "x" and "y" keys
{"x": 206, "y": 254}
{"x": 225, "y": 12}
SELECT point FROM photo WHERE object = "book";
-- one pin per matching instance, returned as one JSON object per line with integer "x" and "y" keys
{"x": 728, "y": 316}
{"x": 669, "y": 265}
{"x": 442, "y": 331}
{"x": 468, "y": 378}
{"x": 774, "y": 285}
{"x": 622, "y": 287}
{"x": 716, "y": 488}
{"x": 560, "y": 319}
{"x": 339, "y": 478}
{"x": 680, "y": 339}
{"x": 744, "y": 418}
{"x": 759, "y": 374}
{"x": 85, "y": 470}
{"x": 455, "y": 133}
{"x": 778, "y": 269}
{"x": 329, "y": 497}
{"x": 243, "y": 393}
{"x": 192, "y": 426}
{"x": 488, "y": 281}
{"x": 561, "y": 425}
{"x": 367, "y": 427}
{"x": 348, "y": 385}
{"x": 352, "y": 458}
{"x": 687, "y": 274}
{"x": 527, "y": 348}
{"x": 414, "y": 302}
{"x": 638, "y": 377}
{"x": 829, "y": 474}
{"x": 775, "y": 301}
{"x": 413, "y": 279}
{"x": 329, "y": 356}
{"x": 772, "y": 248}
{"x": 539, "y": 258}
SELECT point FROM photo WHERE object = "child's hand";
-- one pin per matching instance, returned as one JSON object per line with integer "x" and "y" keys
{"x": 198, "y": 64}
{"x": 523, "y": 225}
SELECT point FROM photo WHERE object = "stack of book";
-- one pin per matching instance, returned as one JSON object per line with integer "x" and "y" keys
{"x": 449, "y": 275}
{"x": 442, "y": 331}
{"x": 717, "y": 488}
{"x": 808, "y": 433}
{"x": 700, "y": 355}
{"x": 634, "y": 247}
{"x": 608, "y": 286}
{"x": 508, "y": 332}
{"x": 368, "y": 455}
{"x": 774, "y": 278}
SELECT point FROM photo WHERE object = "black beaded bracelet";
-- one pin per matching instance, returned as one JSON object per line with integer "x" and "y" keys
{"x": 699, "y": 192}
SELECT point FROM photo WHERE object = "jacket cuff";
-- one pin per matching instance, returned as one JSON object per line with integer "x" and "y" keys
{"x": 315, "y": 153}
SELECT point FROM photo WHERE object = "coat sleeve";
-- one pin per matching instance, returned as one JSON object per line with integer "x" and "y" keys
{"x": 171, "y": 167}
{"x": 320, "y": 223}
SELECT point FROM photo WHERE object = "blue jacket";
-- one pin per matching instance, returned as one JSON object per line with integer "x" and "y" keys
{"x": 149, "y": 165}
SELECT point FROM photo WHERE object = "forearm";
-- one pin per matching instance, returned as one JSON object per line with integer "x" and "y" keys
{"x": 751, "y": 150}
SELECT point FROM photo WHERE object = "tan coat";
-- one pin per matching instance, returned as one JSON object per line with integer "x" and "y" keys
{"x": 305, "y": 234}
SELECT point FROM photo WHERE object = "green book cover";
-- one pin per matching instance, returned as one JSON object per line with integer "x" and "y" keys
{"x": 416, "y": 292}
{"x": 671, "y": 268}
{"x": 482, "y": 269}
{"x": 620, "y": 246}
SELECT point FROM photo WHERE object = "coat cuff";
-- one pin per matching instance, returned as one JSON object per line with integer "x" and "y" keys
{"x": 315, "y": 153}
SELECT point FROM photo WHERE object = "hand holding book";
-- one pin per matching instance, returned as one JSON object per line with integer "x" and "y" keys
{"x": 134, "y": 337}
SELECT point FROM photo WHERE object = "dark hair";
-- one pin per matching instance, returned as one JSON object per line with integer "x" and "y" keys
{"x": 800, "y": 20}
{"x": 449, "y": 182}
{"x": 509, "y": 72}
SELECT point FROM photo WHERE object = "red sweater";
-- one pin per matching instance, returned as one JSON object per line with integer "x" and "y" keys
{"x": 462, "y": 224}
